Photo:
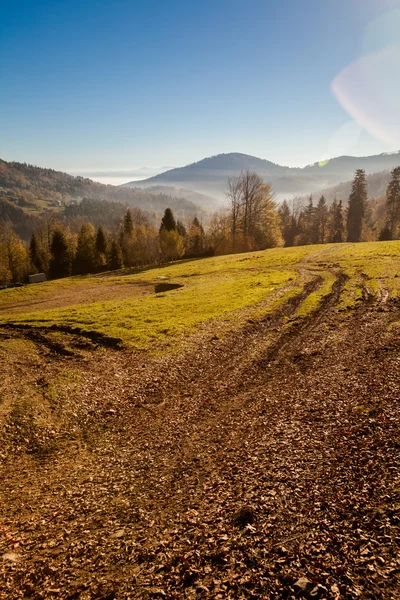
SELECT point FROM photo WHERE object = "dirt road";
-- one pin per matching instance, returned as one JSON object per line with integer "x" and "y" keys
{"x": 262, "y": 464}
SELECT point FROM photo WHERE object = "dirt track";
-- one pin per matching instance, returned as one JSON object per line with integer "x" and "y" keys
{"x": 260, "y": 458}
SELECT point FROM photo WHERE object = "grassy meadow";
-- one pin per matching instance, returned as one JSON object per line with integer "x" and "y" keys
{"x": 227, "y": 289}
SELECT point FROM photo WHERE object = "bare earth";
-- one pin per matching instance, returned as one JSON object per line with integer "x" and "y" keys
{"x": 231, "y": 471}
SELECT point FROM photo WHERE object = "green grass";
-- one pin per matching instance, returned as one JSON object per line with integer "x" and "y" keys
{"x": 222, "y": 290}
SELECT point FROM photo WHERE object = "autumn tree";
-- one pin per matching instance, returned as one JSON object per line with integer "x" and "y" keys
{"x": 254, "y": 220}
{"x": 357, "y": 207}
{"x": 14, "y": 257}
{"x": 234, "y": 196}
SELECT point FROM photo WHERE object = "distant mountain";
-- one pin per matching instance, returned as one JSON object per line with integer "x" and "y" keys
{"x": 209, "y": 176}
{"x": 139, "y": 173}
{"x": 34, "y": 189}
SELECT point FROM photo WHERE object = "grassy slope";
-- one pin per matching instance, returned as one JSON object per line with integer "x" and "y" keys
{"x": 227, "y": 288}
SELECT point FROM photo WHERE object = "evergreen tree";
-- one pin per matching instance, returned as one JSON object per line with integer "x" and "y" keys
{"x": 101, "y": 241}
{"x": 195, "y": 239}
{"x": 84, "y": 261}
{"x": 126, "y": 240}
{"x": 168, "y": 222}
{"x": 393, "y": 202}
{"x": 288, "y": 224}
{"x": 336, "y": 225}
{"x": 115, "y": 259}
{"x": 61, "y": 257}
{"x": 310, "y": 230}
{"x": 357, "y": 207}
{"x": 128, "y": 223}
{"x": 100, "y": 248}
{"x": 35, "y": 255}
{"x": 181, "y": 229}
{"x": 321, "y": 219}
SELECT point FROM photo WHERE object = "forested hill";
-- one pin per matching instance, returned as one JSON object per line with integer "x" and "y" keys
{"x": 35, "y": 188}
{"x": 376, "y": 185}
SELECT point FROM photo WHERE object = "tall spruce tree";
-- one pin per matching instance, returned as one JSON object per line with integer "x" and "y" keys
{"x": 61, "y": 256}
{"x": 100, "y": 248}
{"x": 393, "y": 202}
{"x": 128, "y": 223}
{"x": 168, "y": 222}
{"x": 115, "y": 258}
{"x": 356, "y": 210}
{"x": 35, "y": 255}
{"x": 84, "y": 261}
{"x": 101, "y": 241}
{"x": 321, "y": 218}
{"x": 336, "y": 224}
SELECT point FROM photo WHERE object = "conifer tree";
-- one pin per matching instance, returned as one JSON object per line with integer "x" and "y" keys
{"x": 101, "y": 247}
{"x": 115, "y": 259}
{"x": 128, "y": 223}
{"x": 195, "y": 238}
{"x": 181, "y": 229}
{"x": 101, "y": 241}
{"x": 321, "y": 219}
{"x": 336, "y": 224}
{"x": 357, "y": 207}
{"x": 61, "y": 256}
{"x": 35, "y": 254}
{"x": 168, "y": 222}
{"x": 393, "y": 202}
{"x": 84, "y": 261}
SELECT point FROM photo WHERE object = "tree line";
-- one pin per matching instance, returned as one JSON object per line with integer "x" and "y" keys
{"x": 360, "y": 220}
{"x": 251, "y": 221}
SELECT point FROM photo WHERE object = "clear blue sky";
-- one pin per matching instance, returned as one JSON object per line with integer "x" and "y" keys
{"x": 94, "y": 85}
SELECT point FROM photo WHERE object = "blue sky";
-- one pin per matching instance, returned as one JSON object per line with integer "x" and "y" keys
{"x": 120, "y": 84}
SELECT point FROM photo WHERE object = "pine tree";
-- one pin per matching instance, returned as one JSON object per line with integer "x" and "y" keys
{"x": 310, "y": 232}
{"x": 101, "y": 241}
{"x": 115, "y": 259}
{"x": 181, "y": 229}
{"x": 100, "y": 248}
{"x": 128, "y": 223}
{"x": 393, "y": 202}
{"x": 84, "y": 261}
{"x": 35, "y": 255}
{"x": 168, "y": 222}
{"x": 61, "y": 257}
{"x": 321, "y": 218}
{"x": 288, "y": 224}
{"x": 336, "y": 224}
{"x": 126, "y": 240}
{"x": 357, "y": 207}
{"x": 195, "y": 238}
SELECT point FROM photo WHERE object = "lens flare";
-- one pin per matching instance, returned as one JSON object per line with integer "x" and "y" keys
{"x": 369, "y": 90}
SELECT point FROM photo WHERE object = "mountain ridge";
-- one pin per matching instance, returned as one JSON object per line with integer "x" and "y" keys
{"x": 209, "y": 176}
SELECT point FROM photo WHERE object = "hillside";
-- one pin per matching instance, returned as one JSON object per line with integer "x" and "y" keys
{"x": 376, "y": 183}
{"x": 210, "y": 175}
{"x": 235, "y": 437}
{"x": 34, "y": 189}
